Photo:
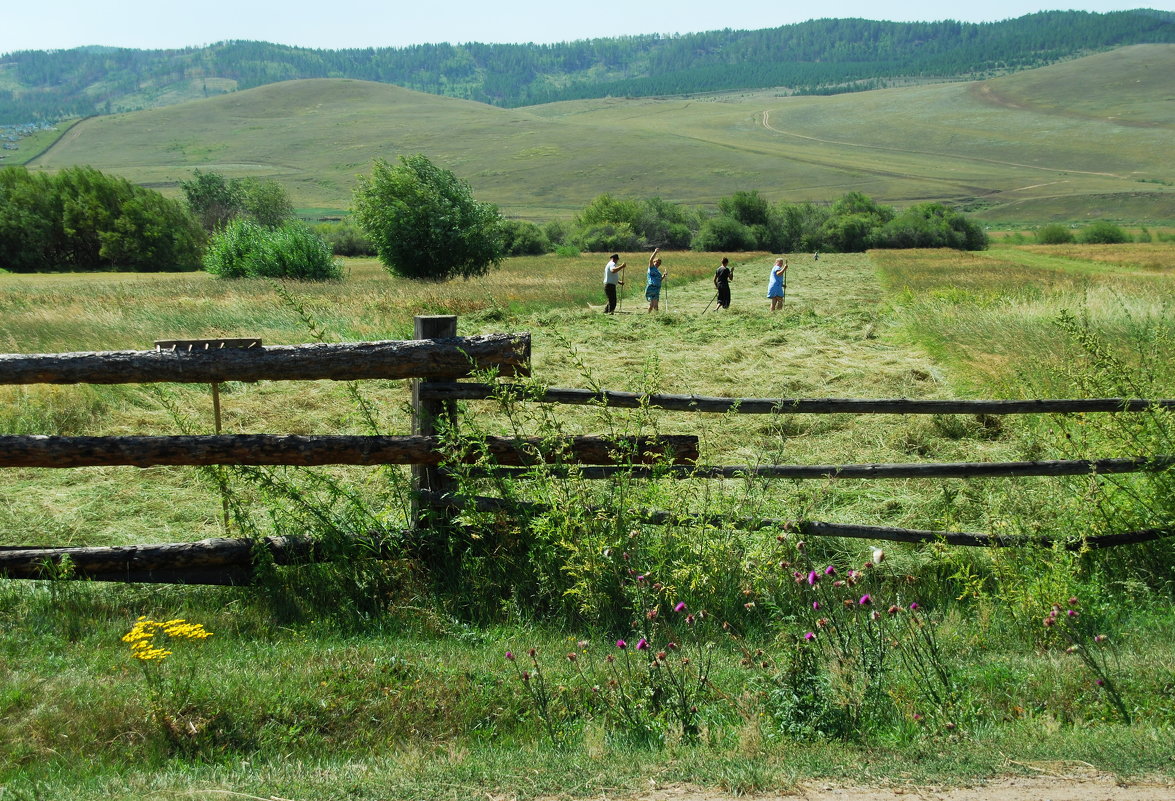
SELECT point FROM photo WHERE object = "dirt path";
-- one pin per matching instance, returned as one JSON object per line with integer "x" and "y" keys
{"x": 1096, "y": 787}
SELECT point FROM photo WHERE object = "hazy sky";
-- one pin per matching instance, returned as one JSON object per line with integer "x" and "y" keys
{"x": 148, "y": 24}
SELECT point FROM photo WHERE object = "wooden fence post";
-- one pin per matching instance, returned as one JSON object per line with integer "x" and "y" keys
{"x": 427, "y": 417}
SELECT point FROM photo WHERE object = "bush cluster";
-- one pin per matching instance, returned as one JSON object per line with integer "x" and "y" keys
{"x": 747, "y": 221}
{"x": 1101, "y": 232}
{"x": 244, "y": 249}
{"x": 81, "y": 219}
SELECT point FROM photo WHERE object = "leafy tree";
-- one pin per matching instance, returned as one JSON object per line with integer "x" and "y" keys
{"x": 1102, "y": 233}
{"x": 153, "y": 234}
{"x": 265, "y": 202}
{"x": 725, "y": 233}
{"x": 1054, "y": 234}
{"x": 29, "y": 223}
{"x": 244, "y": 249}
{"x": 851, "y": 220}
{"x": 604, "y": 209}
{"x": 606, "y": 237}
{"x": 81, "y": 219}
{"x": 556, "y": 231}
{"x": 425, "y": 222}
{"x": 664, "y": 224}
{"x": 801, "y": 227}
{"x": 214, "y": 199}
{"x": 749, "y": 208}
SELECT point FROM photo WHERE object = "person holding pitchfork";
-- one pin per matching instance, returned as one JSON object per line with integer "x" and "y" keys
{"x": 611, "y": 279}
{"x": 777, "y": 284}
{"x": 653, "y": 283}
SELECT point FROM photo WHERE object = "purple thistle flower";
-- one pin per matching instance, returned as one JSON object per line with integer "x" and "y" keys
{"x": 811, "y": 635}
{"x": 1073, "y": 601}
{"x": 1100, "y": 638}
{"x": 915, "y": 606}
{"x": 866, "y": 599}
{"x": 815, "y": 605}
{"x": 509, "y": 656}
{"x": 621, "y": 644}
{"x": 1072, "y": 613}
{"x": 671, "y": 645}
{"x": 680, "y": 607}
{"x": 1100, "y": 682}
{"x": 830, "y": 571}
{"x": 813, "y": 577}
{"x": 642, "y": 644}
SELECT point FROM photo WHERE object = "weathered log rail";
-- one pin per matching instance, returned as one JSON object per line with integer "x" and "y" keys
{"x": 1055, "y": 467}
{"x": 449, "y": 390}
{"x": 220, "y": 560}
{"x": 451, "y": 357}
{"x": 305, "y": 451}
{"x": 815, "y": 528}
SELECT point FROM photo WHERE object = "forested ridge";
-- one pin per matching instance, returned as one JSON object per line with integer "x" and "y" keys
{"x": 819, "y": 56}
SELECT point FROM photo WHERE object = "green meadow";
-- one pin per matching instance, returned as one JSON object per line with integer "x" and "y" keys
{"x": 1075, "y": 141}
{"x": 365, "y": 679}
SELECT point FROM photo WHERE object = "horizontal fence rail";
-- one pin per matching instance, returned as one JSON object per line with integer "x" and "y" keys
{"x": 450, "y": 357}
{"x": 299, "y": 450}
{"x": 1074, "y": 467}
{"x": 221, "y": 561}
{"x": 445, "y": 390}
{"x": 813, "y": 528}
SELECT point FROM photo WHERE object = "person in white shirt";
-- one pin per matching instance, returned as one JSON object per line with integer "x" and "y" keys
{"x": 611, "y": 279}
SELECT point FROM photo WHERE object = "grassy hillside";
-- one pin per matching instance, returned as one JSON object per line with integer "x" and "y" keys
{"x": 1074, "y": 141}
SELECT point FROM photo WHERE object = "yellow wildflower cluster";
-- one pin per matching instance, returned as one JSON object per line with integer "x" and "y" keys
{"x": 142, "y": 634}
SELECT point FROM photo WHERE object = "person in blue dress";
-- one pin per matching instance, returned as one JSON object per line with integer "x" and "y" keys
{"x": 653, "y": 283}
{"x": 777, "y": 284}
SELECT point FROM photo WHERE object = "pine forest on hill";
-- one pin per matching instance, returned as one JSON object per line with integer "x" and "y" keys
{"x": 816, "y": 57}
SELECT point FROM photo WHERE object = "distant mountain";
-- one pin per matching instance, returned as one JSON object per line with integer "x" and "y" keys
{"x": 817, "y": 57}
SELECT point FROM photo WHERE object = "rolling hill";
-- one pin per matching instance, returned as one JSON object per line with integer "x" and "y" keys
{"x": 1084, "y": 138}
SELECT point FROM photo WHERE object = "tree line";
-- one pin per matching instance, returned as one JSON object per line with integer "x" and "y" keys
{"x": 423, "y": 222}
{"x": 818, "y": 56}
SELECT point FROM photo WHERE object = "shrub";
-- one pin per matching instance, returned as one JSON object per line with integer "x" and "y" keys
{"x": 1054, "y": 234}
{"x": 1102, "y": 233}
{"x": 425, "y": 222}
{"x": 524, "y": 238}
{"x": 244, "y": 249}
{"x": 930, "y": 225}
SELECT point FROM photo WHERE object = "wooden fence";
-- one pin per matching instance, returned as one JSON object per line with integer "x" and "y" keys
{"x": 433, "y": 360}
